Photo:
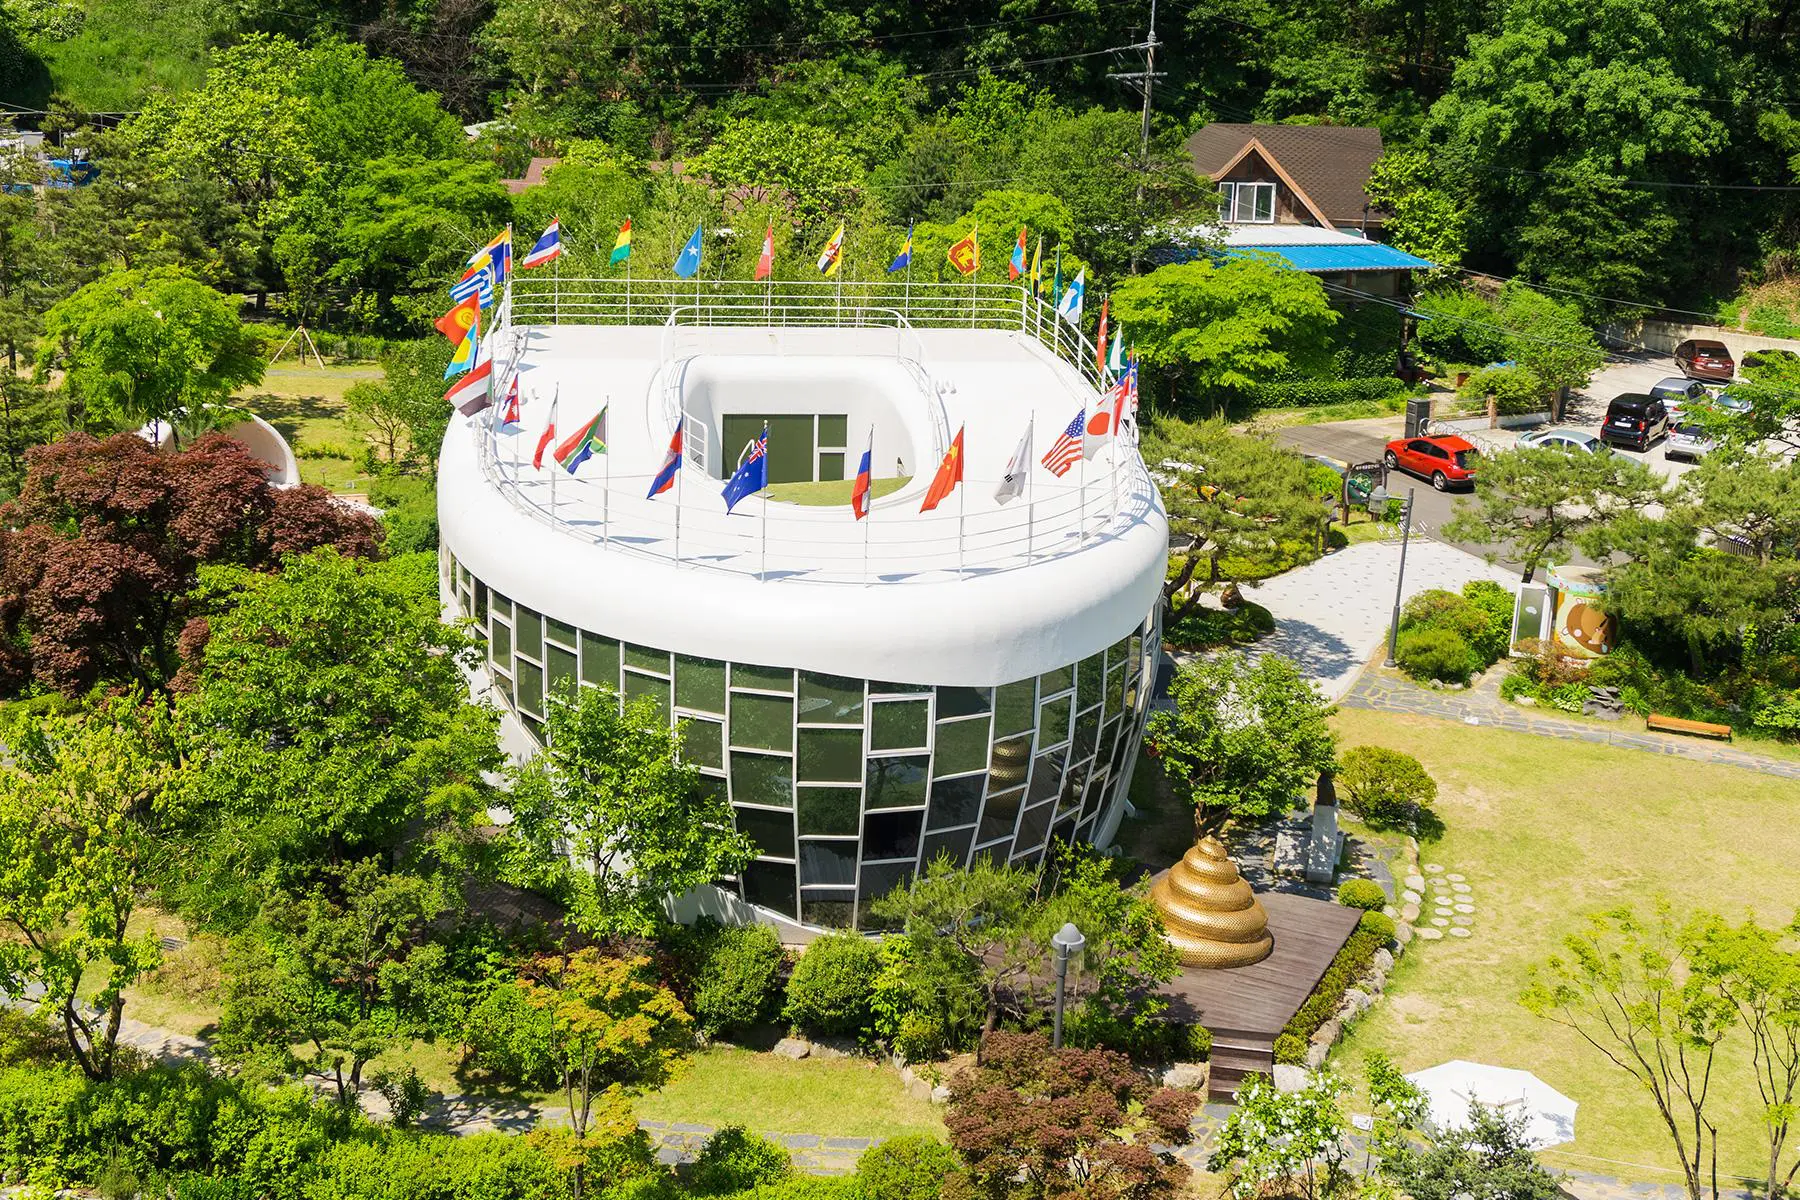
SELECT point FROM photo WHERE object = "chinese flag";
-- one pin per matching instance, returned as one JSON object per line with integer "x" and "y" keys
{"x": 949, "y": 474}
{"x": 455, "y": 323}
{"x": 965, "y": 255}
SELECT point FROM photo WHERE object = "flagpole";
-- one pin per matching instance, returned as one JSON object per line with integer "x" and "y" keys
{"x": 763, "y": 572}
{"x": 869, "y": 516}
{"x": 606, "y": 490}
{"x": 680, "y": 462}
{"x": 1031, "y": 486}
{"x": 628, "y": 276}
{"x": 962, "y": 510}
{"x": 556, "y": 289}
{"x": 555, "y": 400}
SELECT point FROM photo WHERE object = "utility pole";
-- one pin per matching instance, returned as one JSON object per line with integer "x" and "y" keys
{"x": 1145, "y": 81}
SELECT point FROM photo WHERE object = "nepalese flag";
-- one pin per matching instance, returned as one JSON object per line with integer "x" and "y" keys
{"x": 665, "y": 478}
{"x": 1016, "y": 266}
{"x": 546, "y": 249}
{"x": 584, "y": 443}
{"x": 903, "y": 259}
{"x": 477, "y": 282}
{"x": 860, "y": 490}
{"x": 470, "y": 393}
{"x": 510, "y": 414}
{"x": 1065, "y": 451}
{"x": 752, "y": 474}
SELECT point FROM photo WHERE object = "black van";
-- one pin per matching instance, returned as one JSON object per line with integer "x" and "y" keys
{"x": 1634, "y": 421}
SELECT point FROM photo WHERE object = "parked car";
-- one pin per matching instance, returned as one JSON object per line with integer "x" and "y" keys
{"x": 1705, "y": 360}
{"x": 1678, "y": 387}
{"x": 1737, "y": 406}
{"x": 1573, "y": 441}
{"x": 1442, "y": 460}
{"x": 1688, "y": 441}
{"x": 1635, "y": 421}
{"x": 1768, "y": 358}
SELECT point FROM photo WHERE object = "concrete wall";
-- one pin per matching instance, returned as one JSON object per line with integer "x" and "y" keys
{"x": 1664, "y": 336}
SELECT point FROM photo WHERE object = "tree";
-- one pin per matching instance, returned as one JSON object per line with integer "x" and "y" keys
{"x": 1488, "y": 1159}
{"x": 105, "y": 541}
{"x": 1221, "y": 330}
{"x": 136, "y": 346}
{"x": 1239, "y": 501}
{"x": 1247, "y": 738}
{"x": 330, "y": 722}
{"x": 1422, "y": 218}
{"x": 1536, "y": 502}
{"x": 79, "y": 800}
{"x": 1034, "y": 1121}
{"x": 610, "y": 818}
{"x": 616, "y": 1031}
{"x": 802, "y": 167}
{"x": 1278, "y": 1142}
{"x": 347, "y": 969}
{"x": 1621, "y": 985}
{"x": 1772, "y": 389}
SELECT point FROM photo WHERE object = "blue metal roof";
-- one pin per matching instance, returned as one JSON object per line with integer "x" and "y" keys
{"x": 1366, "y": 256}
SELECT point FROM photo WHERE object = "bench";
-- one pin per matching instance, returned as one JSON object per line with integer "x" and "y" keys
{"x": 1680, "y": 725}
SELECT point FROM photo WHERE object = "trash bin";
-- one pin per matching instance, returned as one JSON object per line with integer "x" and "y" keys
{"x": 1418, "y": 412}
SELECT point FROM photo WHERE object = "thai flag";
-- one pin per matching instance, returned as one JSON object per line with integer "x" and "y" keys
{"x": 546, "y": 249}
{"x": 665, "y": 478}
{"x": 1065, "y": 451}
{"x": 859, "y": 493}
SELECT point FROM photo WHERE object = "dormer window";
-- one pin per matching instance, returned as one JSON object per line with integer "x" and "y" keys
{"x": 1247, "y": 203}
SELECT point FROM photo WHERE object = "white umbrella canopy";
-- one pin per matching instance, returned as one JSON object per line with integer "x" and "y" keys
{"x": 1451, "y": 1087}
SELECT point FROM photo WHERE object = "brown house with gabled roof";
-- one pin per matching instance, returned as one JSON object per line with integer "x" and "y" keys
{"x": 1291, "y": 174}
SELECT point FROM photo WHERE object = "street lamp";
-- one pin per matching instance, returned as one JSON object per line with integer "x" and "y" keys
{"x": 1067, "y": 942}
{"x": 1400, "y": 579}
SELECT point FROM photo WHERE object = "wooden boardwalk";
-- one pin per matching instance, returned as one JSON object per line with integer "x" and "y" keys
{"x": 1260, "y": 998}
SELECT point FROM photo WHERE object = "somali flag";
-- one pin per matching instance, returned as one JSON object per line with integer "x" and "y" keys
{"x": 586, "y": 442}
{"x": 687, "y": 263}
{"x": 752, "y": 474}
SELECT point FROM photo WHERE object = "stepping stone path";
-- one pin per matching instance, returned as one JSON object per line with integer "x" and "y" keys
{"x": 1415, "y": 882}
{"x": 1458, "y": 933}
{"x": 1450, "y": 898}
{"x": 1427, "y": 933}
{"x": 1433, "y": 869}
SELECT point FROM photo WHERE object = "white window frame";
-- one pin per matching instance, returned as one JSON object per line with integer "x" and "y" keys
{"x": 1239, "y": 203}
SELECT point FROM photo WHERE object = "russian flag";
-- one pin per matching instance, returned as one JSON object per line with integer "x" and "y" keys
{"x": 665, "y": 478}
{"x": 546, "y": 248}
{"x": 859, "y": 494}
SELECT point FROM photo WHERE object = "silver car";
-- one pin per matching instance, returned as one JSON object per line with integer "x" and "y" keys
{"x": 1688, "y": 441}
{"x": 1569, "y": 441}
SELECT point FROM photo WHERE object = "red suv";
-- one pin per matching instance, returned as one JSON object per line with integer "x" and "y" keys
{"x": 1705, "y": 360}
{"x": 1443, "y": 460}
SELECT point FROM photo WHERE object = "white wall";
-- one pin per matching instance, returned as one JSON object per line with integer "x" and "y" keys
{"x": 1664, "y": 336}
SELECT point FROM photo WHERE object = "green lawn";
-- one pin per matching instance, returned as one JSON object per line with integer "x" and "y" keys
{"x": 1546, "y": 831}
{"x": 306, "y": 403}
{"x": 838, "y": 1097}
{"x": 827, "y": 492}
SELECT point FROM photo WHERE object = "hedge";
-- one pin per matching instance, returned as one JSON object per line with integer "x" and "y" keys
{"x": 1373, "y": 932}
{"x": 1315, "y": 393}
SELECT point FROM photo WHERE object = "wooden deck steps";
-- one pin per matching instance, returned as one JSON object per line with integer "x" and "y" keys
{"x": 1237, "y": 1053}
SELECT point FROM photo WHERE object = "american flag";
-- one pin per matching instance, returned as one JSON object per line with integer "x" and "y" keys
{"x": 1065, "y": 451}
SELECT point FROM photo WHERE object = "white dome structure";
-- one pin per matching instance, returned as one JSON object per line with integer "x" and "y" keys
{"x": 869, "y": 695}
{"x": 263, "y": 441}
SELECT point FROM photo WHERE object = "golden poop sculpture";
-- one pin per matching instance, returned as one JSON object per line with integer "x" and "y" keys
{"x": 1212, "y": 916}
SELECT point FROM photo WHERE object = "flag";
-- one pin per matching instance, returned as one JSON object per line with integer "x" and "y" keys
{"x": 687, "y": 263}
{"x": 477, "y": 282}
{"x": 1115, "y": 362}
{"x": 765, "y": 266}
{"x": 965, "y": 255}
{"x": 1103, "y": 422}
{"x": 467, "y": 353}
{"x": 498, "y": 253}
{"x": 1065, "y": 451}
{"x": 665, "y": 478}
{"x": 584, "y": 443}
{"x": 470, "y": 393}
{"x": 860, "y": 490}
{"x": 903, "y": 259}
{"x": 752, "y": 474}
{"x": 544, "y": 440}
{"x": 510, "y": 416}
{"x": 1069, "y": 307}
{"x": 1012, "y": 485}
{"x": 949, "y": 474}
{"x": 1037, "y": 267}
{"x": 622, "y": 246}
{"x": 1016, "y": 266}
{"x": 546, "y": 249}
{"x": 833, "y": 254}
{"x": 461, "y": 318}
{"x": 1100, "y": 336}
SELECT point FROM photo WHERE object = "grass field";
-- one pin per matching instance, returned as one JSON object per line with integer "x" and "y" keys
{"x": 1545, "y": 832}
{"x": 306, "y": 403}
{"x": 128, "y": 48}
{"x": 827, "y": 492}
{"x": 841, "y": 1097}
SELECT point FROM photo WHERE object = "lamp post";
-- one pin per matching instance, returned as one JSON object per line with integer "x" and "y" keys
{"x": 1067, "y": 942}
{"x": 1400, "y": 579}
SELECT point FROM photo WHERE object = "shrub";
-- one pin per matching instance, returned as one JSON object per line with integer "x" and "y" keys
{"x": 1440, "y": 654}
{"x": 1315, "y": 393}
{"x": 406, "y": 1094}
{"x": 409, "y": 511}
{"x": 905, "y": 1168}
{"x": 1199, "y": 1043}
{"x": 1365, "y": 894}
{"x": 830, "y": 990}
{"x": 29, "y": 1039}
{"x": 1373, "y": 931}
{"x": 1384, "y": 787}
{"x": 1517, "y": 683}
{"x": 1290, "y": 1050}
{"x": 734, "y": 1159}
{"x": 1378, "y": 925}
{"x": 736, "y": 977}
{"x": 1201, "y": 626}
{"x": 1496, "y": 603}
{"x": 1514, "y": 389}
{"x": 921, "y": 1037}
{"x": 511, "y": 1038}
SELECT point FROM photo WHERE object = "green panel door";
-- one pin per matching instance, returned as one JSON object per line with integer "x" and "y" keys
{"x": 790, "y": 449}
{"x": 739, "y": 430}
